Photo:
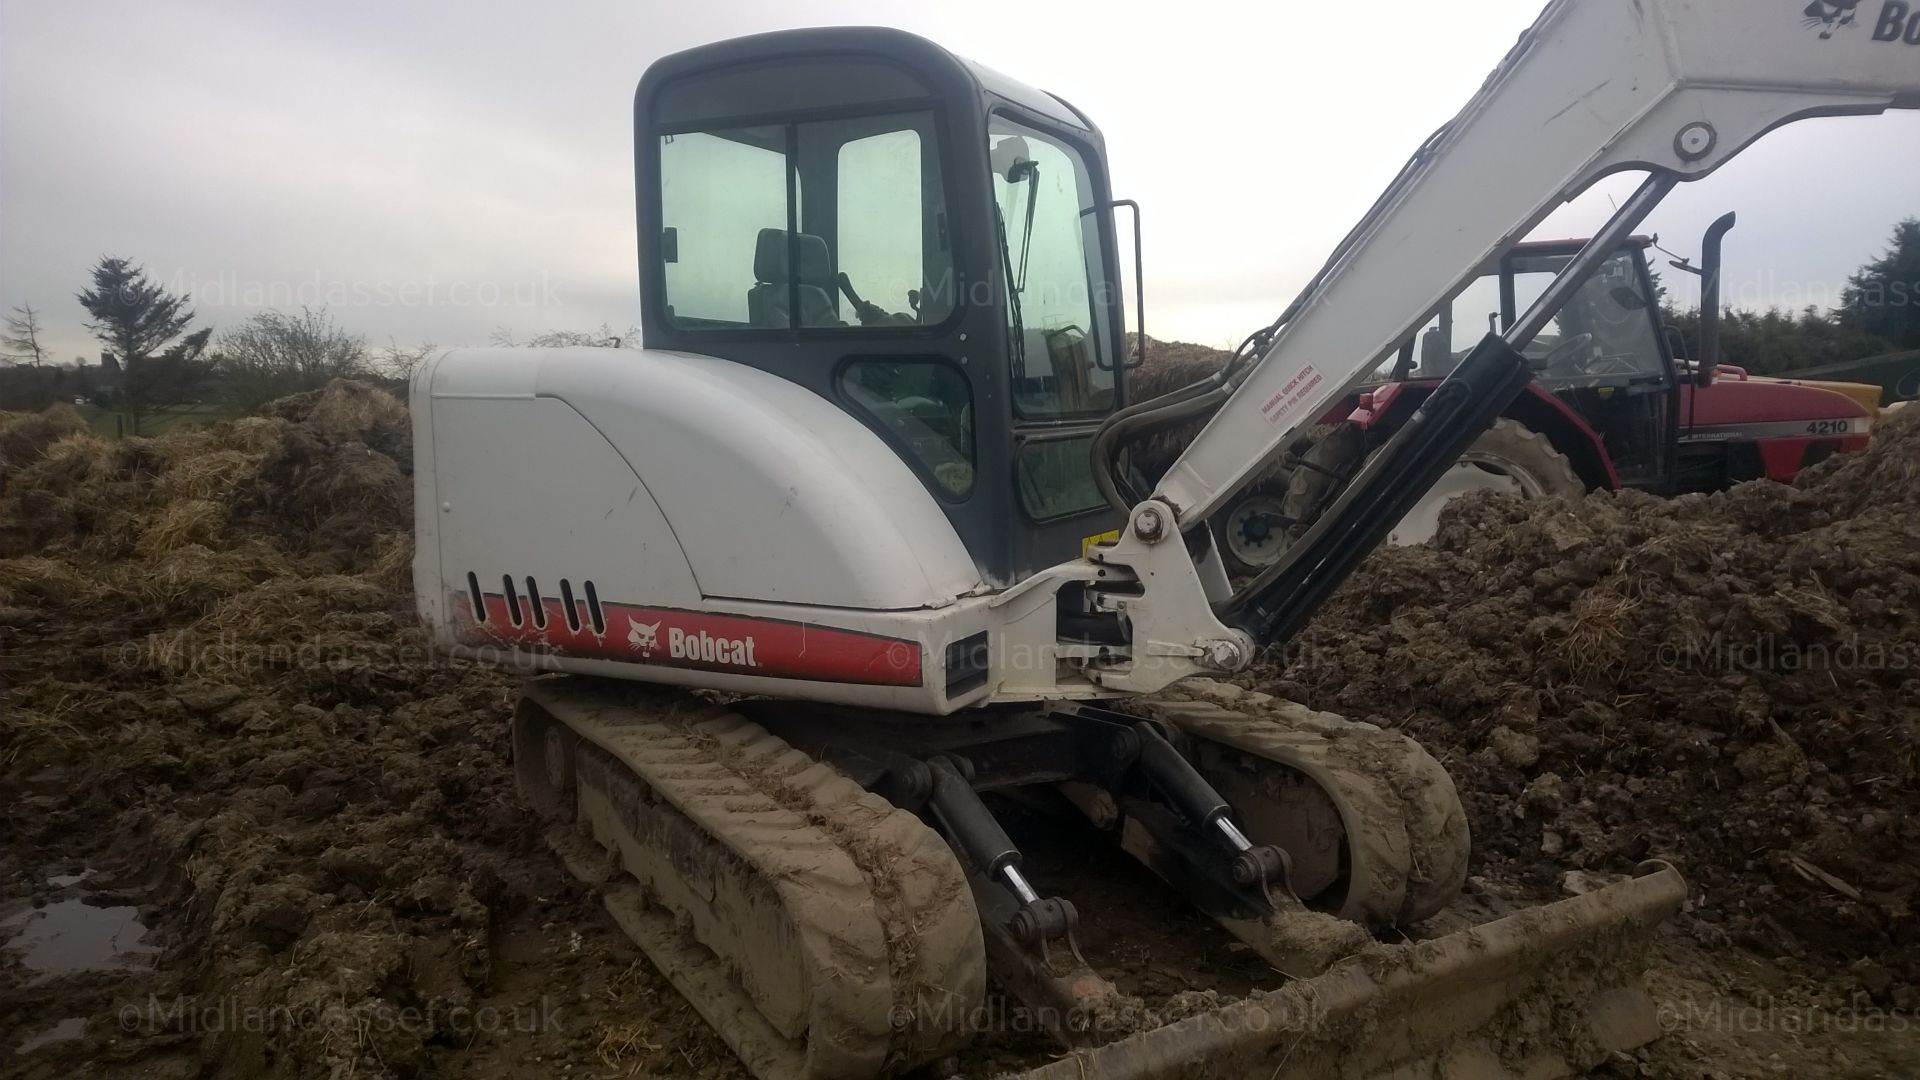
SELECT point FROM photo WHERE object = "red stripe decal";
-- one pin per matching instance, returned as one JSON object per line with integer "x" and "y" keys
{"x": 668, "y": 637}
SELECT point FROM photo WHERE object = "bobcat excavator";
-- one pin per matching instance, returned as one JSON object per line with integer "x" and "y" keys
{"x": 854, "y": 542}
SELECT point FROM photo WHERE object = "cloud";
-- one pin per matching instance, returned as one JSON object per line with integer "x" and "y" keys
{"x": 471, "y": 163}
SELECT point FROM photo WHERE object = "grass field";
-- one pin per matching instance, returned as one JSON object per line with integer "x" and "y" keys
{"x": 112, "y": 423}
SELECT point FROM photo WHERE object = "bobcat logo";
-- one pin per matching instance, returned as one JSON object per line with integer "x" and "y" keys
{"x": 1831, "y": 15}
{"x": 643, "y": 638}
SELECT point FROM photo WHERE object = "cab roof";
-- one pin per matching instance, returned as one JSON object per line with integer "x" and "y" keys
{"x": 950, "y": 75}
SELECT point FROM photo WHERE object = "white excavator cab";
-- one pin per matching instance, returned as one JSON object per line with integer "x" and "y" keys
{"x": 919, "y": 240}
{"x": 881, "y": 329}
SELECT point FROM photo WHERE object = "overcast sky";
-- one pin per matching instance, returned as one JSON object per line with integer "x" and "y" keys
{"x": 437, "y": 171}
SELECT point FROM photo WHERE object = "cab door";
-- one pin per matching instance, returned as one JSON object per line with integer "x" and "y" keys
{"x": 1065, "y": 352}
{"x": 1605, "y": 357}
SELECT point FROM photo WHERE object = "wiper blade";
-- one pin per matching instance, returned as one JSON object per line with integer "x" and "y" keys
{"x": 1017, "y": 347}
{"x": 1032, "y": 176}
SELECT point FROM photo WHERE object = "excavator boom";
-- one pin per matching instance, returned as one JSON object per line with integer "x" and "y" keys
{"x": 1673, "y": 88}
{"x": 1593, "y": 88}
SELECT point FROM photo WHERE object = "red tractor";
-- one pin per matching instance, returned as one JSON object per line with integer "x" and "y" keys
{"x": 1611, "y": 405}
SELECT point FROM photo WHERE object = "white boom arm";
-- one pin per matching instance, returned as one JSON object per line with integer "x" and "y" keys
{"x": 1595, "y": 87}
{"x": 1673, "y": 87}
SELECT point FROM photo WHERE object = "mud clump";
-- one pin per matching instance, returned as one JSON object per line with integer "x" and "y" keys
{"x": 1730, "y": 681}
{"x": 1169, "y": 366}
{"x": 214, "y": 689}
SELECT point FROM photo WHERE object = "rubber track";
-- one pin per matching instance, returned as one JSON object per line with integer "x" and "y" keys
{"x": 1406, "y": 827}
{"x": 880, "y": 926}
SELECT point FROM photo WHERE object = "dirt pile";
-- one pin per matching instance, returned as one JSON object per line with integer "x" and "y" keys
{"x": 1731, "y": 681}
{"x": 1169, "y": 366}
{"x": 214, "y": 694}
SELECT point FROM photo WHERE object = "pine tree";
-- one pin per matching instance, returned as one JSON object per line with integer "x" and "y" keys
{"x": 138, "y": 320}
{"x": 1883, "y": 299}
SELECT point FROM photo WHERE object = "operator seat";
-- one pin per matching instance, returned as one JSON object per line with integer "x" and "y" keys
{"x": 768, "y": 300}
{"x": 1437, "y": 360}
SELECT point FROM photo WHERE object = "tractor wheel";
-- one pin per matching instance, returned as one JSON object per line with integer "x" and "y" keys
{"x": 1517, "y": 450}
{"x": 1323, "y": 471}
{"x": 1509, "y": 457}
{"x": 1253, "y": 531}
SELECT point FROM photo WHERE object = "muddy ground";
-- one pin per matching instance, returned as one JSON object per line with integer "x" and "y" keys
{"x": 254, "y": 829}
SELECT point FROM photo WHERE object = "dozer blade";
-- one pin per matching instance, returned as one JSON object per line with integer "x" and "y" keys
{"x": 1377, "y": 837}
{"x": 1546, "y": 992}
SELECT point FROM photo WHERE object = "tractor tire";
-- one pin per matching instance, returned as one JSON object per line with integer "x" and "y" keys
{"x": 1253, "y": 530}
{"x": 1529, "y": 457}
{"x": 1509, "y": 456}
{"x": 1258, "y": 526}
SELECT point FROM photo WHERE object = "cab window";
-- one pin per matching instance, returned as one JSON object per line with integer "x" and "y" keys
{"x": 720, "y": 189}
{"x": 834, "y": 221}
{"x": 1056, "y": 477}
{"x": 881, "y": 247}
{"x": 1605, "y": 333}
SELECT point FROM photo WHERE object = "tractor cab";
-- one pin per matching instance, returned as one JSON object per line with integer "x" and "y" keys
{"x": 1605, "y": 357}
{"x": 1613, "y": 396}
{"x": 919, "y": 240}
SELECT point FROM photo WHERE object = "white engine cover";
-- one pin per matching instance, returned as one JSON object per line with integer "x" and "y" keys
{"x": 682, "y": 519}
{"x": 759, "y": 489}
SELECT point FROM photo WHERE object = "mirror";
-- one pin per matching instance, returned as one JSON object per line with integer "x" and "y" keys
{"x": 1008, "y": 157}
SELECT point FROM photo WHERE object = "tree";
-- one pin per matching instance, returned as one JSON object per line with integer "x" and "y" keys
{"x": 175, "y": 375}
{"x": 1883, "y": 299}
{"x": 274, "y": 354}
{"x": 399, "y": 362}
{"x": 1879, "y": 312}
{"x": 1775, "y": 342}
{"x": 131, "y": 315}
{"x": 138, "y": 321}
{"x": 603, "y": 338}
{"x": 22, "y": 337}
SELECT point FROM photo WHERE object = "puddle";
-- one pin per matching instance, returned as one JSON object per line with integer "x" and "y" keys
{"x": 61, "y": 881}
{"x": 73, "y": 1027}
{"x": 69, "y": 936}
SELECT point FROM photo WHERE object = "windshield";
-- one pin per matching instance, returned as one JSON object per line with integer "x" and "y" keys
{"x": 1053, "y": 273}
{"x": 1604, "y": 332}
